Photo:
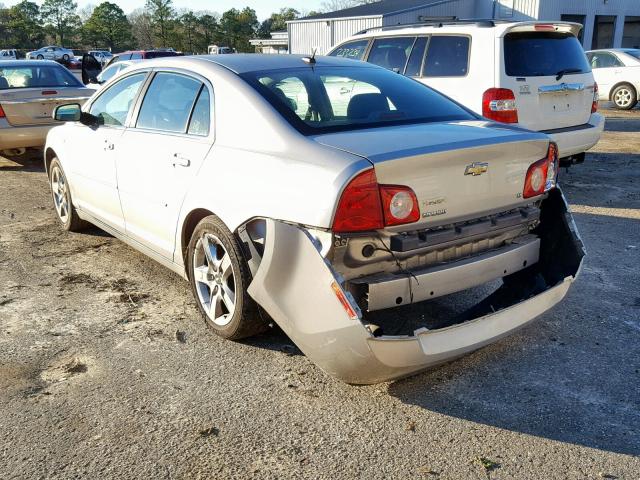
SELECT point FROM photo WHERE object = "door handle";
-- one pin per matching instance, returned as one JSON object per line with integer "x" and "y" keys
{"x": 108, "y": 145}
{"x": 180, "y": 160}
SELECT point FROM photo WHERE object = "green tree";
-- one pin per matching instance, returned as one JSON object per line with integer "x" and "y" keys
{"x": 161, "y": 13}
{"x": 61, "y": 16}
{"x": 209, "y": 29}
{"x": 141, "y": 28}
{"x": 24, "y": 25}
{"x": 237, "y": 27}
{"x": 108, "y": 25}
{"x": 277, "y": 22}
{"x": 188, "y": 23}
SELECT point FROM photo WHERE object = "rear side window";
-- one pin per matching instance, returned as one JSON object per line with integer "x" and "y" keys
{"x": 136, "y": 56}
{"x": 543, "y": 54}
{"x": 415, "y": 59}
{"x": 391, "y": 53}
{"x": 352, "y": 50}
{"x": 199, "y": 123}
{"x": 168, "y": 102}
{"x": 447, "y": 56}
{"x": 124, "y": 56}
{"x": 603, "y": 60}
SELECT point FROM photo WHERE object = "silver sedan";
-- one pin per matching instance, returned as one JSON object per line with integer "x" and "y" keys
{"x": 51, "y": 52}
{"x": 335, "y": 198}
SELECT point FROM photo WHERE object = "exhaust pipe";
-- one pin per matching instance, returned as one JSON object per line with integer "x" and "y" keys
{"x": 13, "y": 152}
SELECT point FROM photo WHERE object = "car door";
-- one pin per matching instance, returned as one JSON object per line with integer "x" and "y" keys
{"x": 95, "y": 149}
{"x": 606, "y": 69}
{"x": 160, "y": 155}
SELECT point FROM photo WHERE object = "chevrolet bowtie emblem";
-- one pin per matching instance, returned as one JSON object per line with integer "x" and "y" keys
{"x": 476, "y": 168}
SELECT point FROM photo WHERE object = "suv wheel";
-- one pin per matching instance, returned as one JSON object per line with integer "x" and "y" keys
{"x": 624, "y": 97}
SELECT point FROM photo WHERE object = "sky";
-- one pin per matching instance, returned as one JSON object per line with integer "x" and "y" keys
{"x": 263, "y": 8}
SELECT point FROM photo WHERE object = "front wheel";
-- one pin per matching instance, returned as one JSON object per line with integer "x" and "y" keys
{"x": 61, "y": 193}
{"x": 65, "y": 57}
{"x": 219, "y": 279}
{"x": 624, "y": 97}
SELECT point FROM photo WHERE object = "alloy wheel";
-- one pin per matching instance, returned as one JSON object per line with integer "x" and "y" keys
{"x": 623, "y": 97}
{"x": 60, "y": 196}
{"x": 215, "y": 279}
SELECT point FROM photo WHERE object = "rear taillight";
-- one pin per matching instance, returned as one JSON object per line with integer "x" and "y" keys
{"x": 366, "y": 205}
{"x": 545, "y": 27}
{"x": 594, "y": 104}
{"x": 359, "y": 208}
{"x": 499, "y": 104}
{"x": 2, "y": 114}
{"x": 542, "y": 175}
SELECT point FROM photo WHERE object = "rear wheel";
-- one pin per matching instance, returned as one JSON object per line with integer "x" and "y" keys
{"x": 65, "y": 57}
{"x": 624, "y": 97}
{"x": 40, "y": 57}
{"x": 219, "y": 279}
{"x": 61, "y": 193}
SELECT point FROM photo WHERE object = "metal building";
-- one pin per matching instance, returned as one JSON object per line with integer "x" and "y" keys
{"x": 607, "y": 23}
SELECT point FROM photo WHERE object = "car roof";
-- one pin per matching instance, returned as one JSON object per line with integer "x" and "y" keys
{"x": 249, "y": 62}
{"x": 29, "y": 63}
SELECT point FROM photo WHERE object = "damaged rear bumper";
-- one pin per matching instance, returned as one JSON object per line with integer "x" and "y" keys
{"x": 298, "y": 288}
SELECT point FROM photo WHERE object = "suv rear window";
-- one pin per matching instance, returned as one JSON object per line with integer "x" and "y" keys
{"x": 543, "y": 54}
{"x": 447, "y": 56}
{"x": 353, "y": 50}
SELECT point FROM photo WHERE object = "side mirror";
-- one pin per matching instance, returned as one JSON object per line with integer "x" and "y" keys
{"x": 67, "y": 113}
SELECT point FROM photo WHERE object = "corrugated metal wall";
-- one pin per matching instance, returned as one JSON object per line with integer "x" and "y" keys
{"x": 304, "y": 37}
{"x": 455, "y": 8}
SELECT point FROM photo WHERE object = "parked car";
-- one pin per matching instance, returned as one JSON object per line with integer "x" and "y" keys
{"x": 617, "y": 72}
{"x": 103, "y": 56}
{"x": 322, "y": 219}
{"x": 531, "y": 74}
{"x": 29, "y": 91}
{"x": 143, "y": 55}
{"x": 97, "y": 80}
{"x": 8, "y": 54}
{"x": 51, "y": 53}
{"x": 219, "y": 50}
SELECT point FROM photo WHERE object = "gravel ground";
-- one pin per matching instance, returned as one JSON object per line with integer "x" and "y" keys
{"x": 106, "y": 370}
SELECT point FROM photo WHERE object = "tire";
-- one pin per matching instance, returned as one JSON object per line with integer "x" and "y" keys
{"x": 219, "y": 279}
{"x": 65, "y": 57}
{"x": 40, "y": 57}
{"x": 61, "y": 193}
{"x": 624, "y": 97}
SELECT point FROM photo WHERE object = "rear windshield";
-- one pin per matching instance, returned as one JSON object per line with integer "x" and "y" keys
{"x": 543, "y": 54}
{"x": 39, "y": 76}
{"x": 329, "y": 99}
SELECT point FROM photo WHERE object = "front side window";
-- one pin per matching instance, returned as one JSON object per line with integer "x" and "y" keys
{"x": 447, "y": 56}
{"x": 329, "y": 99}
{"x": 391, "y": 53}
{"x": 352, "y": 50}
{"x": 110, "y": 72}
{"x": 168, "y": 102}
{"x": 136, "y": 56}
{"x": 113, "y": 105}
{"x": 543, "y": 54}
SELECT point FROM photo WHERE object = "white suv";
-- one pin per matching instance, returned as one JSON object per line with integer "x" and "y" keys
{"x": 531, "y": 74}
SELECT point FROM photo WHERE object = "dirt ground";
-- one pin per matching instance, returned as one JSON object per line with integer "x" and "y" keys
{"x": 106, "y": 370}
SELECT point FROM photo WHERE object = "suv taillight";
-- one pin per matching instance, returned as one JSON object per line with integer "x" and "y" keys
{"x": 542, "y": 176}
{"x": 594, "y": 104}
{"x": 2, "y": 114}
{"x": 499, "y": 104}
{"x": 366, "y": 205}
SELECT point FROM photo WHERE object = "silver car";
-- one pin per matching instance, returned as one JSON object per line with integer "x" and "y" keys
{"x": 338, "y": 199}
{"x": 51, "y": 52}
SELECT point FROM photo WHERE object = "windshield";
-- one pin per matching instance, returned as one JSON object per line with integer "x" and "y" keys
{"x": 543, "y": 54}
{"x": 329, "y": 99}
{"x": 36, "y": 77}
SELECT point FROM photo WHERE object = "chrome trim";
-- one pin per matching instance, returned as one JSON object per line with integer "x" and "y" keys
{"x": 45, "y": 100}
{"x": 563, "y": 87}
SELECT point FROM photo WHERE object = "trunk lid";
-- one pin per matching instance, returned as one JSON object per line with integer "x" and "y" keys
{"x": 458, "y": 170}
{"x": 549, "y": 76}
{"x": 34, "y": 106}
